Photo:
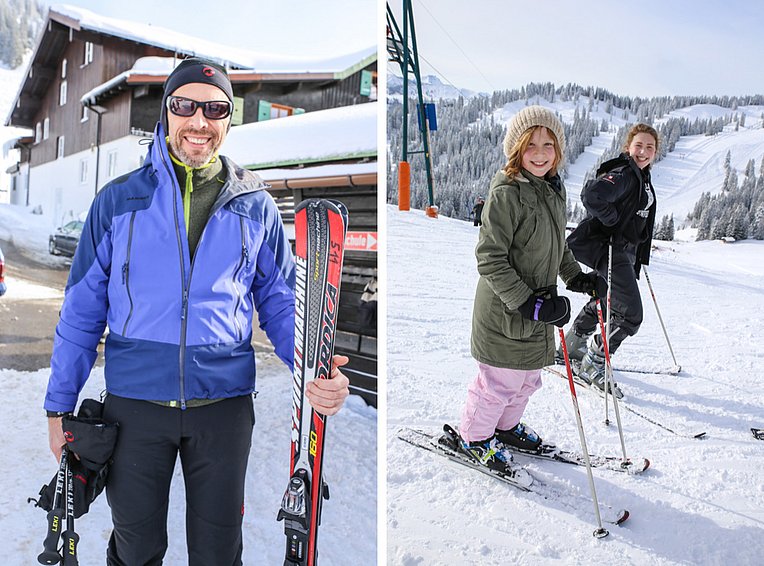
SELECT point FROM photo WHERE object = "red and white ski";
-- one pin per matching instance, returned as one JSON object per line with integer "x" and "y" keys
{"x": 320, "y": 227}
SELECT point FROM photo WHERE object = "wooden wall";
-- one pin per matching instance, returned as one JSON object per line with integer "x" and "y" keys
{"x": 110, "y": 57}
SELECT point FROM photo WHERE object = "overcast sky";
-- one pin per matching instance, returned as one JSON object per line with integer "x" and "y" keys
{"x": 634, "y": 48}
{"x": 315, "y": 28}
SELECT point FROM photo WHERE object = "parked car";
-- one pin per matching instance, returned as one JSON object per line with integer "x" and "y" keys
{"x": 66, "y": 238}
{"x": 3, "y": 287}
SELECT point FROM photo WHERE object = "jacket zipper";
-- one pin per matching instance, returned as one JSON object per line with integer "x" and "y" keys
{"x": 242, "y": 262}
{"x": 126, "y": 274}
{"x": 549, "y": 208}
{"x": 184, "y": 307}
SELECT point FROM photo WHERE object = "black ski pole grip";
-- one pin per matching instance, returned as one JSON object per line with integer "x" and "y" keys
{"x": 50, "y": 553}
{"x": 71, "y": 538}
{"x": 70, "y": 548}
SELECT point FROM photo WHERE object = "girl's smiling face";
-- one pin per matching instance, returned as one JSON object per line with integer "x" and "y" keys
{"x": 539, "y": 157}
{"x": 642, "y": 149}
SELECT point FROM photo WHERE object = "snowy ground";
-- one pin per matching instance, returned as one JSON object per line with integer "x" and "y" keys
{"x": 701, "y": 502}
{"x": 349, "y": 528}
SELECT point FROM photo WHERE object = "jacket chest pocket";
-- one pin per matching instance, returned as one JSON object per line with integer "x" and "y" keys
{"x": 126, "y": 273}
{"x": 527, "y": 231}
{"x": 239, "y": 281}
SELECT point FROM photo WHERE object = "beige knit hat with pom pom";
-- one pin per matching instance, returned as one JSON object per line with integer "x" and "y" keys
{"x": 529, "y": 117}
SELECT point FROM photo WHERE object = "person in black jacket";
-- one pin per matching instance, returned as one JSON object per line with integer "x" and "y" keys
{"x": 477, "y": 212}
{"x": 620, "y": 205}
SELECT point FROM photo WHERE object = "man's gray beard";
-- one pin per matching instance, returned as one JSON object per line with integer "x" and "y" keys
{"x": 193, "y": 162}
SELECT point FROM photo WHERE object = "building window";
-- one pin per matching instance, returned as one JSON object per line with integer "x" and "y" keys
{"x": 38, "y": 133}
{"x": 60, "y": 147}
{"x": 271, "y": 110}
{"x": 45, "y": 128}
{"x": 83, "y": 171}
{"x": 63, "y": 69}
{"x": 88, "y": 53}
{"x": 84, "y": 114}
{"x": 112, "y": 164}
{"x": 62, "y": 94}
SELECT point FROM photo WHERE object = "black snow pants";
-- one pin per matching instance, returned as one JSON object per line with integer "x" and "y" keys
{"x": 625, "y": 299}
{"x": 213, "y": 442}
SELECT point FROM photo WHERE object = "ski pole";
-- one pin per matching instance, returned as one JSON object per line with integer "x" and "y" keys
{"x": 50, "y": 554}
{"x": 677, "y": 367}
{"x": 70, "y": 537}
{"x": 600, "y": 532}
{"x": 609, "y": 372}
{"x": 606, "y": 330}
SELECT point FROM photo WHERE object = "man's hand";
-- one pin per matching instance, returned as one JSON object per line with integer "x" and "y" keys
{"x": 56, "y": 436}
{"x": 327, "y": 395}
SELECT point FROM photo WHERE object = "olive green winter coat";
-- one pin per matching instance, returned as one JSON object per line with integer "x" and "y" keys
{"x": 521, "y": 248}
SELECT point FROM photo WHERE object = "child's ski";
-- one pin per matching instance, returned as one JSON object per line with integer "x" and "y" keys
{"x": 320, "y": 227}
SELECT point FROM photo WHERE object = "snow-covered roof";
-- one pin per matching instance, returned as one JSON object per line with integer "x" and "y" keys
{"x": 257, "y": 66}
{"x": 319, "y": 171}
{"x": 235, "y": 57}
{"x": 156, "y": 69}
{"x": 348, "y": 132}
{"x": 145, "y": 66}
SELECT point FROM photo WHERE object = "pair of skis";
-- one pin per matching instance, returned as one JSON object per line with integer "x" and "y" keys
{"x": 585, "y": 385}
{"x": 320, "y": 227}
{"x": 446, "y": 444}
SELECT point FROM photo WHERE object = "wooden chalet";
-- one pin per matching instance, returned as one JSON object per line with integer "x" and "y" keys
{"x": 93, "y": 90}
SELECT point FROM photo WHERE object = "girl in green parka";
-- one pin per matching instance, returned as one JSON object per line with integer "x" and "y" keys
{"x": 520, "y": 253}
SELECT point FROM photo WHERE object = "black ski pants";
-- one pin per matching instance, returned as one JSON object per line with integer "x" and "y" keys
{"x": 626, "y": 301}
{"x": 213, "y": 442}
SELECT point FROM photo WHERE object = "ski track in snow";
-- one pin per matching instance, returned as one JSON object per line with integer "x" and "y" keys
{"x": 701, "y": 502}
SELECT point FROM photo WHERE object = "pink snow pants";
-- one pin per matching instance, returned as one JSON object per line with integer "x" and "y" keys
{"x": 496, "y": 399}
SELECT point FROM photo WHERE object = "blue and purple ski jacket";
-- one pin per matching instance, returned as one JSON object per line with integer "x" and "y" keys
{"x": 179, "y": 329}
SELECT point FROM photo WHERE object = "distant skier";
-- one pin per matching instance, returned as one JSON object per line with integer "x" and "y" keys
{"x": 521, "y": 251}
{"x": 620, "y": 204}
{"x": 477, "y": 212}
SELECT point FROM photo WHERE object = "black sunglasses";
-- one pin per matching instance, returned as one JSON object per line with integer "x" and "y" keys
{"x": 185, "y": 107}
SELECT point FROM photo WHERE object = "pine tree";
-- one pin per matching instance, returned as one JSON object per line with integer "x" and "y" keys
{"x": 730, "y": 183}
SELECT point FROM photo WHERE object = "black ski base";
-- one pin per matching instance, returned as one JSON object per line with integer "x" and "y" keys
{"x": 758, "y": 433}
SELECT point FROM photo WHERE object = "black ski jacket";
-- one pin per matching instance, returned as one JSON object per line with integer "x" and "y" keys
{"x": 618, "y": 205}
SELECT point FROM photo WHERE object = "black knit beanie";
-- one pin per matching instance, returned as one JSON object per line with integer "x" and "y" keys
{"x": 195, "y": 70}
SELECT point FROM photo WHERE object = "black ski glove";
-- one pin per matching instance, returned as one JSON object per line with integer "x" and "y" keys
{"x": 585, "y": 283}
{"x": 552, "y": 310}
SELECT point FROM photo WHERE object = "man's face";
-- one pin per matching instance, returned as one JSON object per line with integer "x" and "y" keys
{"x": 194, "y": 140}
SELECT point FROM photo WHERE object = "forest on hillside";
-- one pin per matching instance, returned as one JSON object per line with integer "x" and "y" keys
{"x": 20, "y": 23}
{"x": 467, "y": 150}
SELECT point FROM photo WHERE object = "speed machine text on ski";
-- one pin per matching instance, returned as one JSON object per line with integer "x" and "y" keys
{"x": 320, "y": 227}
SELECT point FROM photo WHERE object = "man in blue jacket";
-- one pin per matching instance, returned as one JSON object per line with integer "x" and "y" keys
{"x": 176, "y": 257}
